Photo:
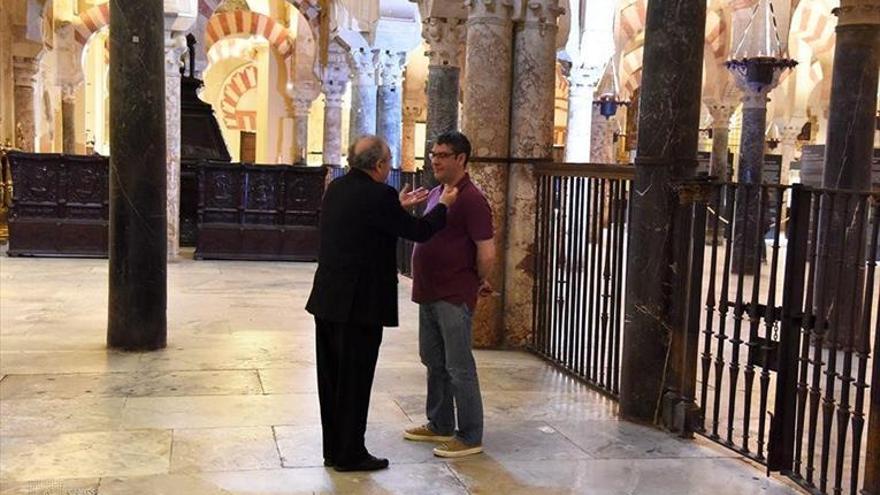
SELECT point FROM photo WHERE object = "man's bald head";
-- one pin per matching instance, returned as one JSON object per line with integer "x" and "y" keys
{"x": 367, "y": 151}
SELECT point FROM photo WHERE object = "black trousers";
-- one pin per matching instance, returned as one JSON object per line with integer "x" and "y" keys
{"x": 346, "y": 356}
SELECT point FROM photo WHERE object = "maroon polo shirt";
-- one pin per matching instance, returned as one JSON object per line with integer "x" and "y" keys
{"x": 445, "y": 267}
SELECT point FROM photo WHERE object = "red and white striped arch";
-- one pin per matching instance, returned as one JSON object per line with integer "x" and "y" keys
{"x": 241, "y": 22}
{"x": 239, "y": 83}
{"x": 630, "y": 24}
{"x": 96, "y": 18}
{"x": 631, "y": 70}
{"x": 90, "y": 22}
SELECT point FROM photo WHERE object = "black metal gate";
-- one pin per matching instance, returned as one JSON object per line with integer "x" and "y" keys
{"x": 789, "y": 318}
{"x": 580, "y": 254}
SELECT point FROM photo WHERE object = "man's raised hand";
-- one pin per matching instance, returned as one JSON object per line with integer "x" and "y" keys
{"x": 411, "y": 198}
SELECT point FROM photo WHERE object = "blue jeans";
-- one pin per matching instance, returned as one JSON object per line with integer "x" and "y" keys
{"x": 453, "y": 387}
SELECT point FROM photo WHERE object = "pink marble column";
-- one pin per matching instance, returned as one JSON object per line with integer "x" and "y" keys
{"x": 24, "y": 71}
{"x": 175, "y": 47}
{"x": 532, "y": 107}
{"x": 486, "y": 122}
{"x": 408, "y": 140}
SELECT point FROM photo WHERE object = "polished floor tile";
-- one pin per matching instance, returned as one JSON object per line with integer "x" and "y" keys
{"x": 82, "y": 455}
{"x": 131, "y": 384}
{"x": 224, "y": 449}
{"x": 230, "y": 406}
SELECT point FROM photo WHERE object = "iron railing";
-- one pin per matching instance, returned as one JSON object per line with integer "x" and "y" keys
{"x": 582, "y": 214}
{"x": 789, "y": 320}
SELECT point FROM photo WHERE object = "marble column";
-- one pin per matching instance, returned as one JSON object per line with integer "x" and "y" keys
{"x": 756, "y": 77}
{"x": 175, "y": 47}
{"x": 24, "y": 71}
{"x": 851, "y": 126}
{"x": 601, "y": 137}
{"x": 445, "y": 39}
{"x": 363, "y": 93}
{"x": 335, "y": 77}
{"x": 389, "y": 101}
{"x": 68, "y": 119}
{"x": 788, "y": 142}
{"x": 138, "y": 227}
{"x": 753, "y": 135}
{"x": 486, "y": 122}
{"x": 300, "y": 144}
{"x": 670, "y": 101}
{"x": 531, "y": 136}
{"x": 408, "y": 142}
{"x": 848, "y": 155}
{"x": 720, "y": 112}
{"x": 582, "y": 82}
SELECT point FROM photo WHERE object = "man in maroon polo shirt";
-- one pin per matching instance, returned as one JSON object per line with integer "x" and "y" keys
{"x": 449, "y": 272}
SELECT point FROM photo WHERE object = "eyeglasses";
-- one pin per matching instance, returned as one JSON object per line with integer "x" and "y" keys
{"x": 440, "y": 154}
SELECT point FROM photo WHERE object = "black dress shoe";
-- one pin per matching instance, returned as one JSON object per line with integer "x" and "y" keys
{"x": 368, "y": 463}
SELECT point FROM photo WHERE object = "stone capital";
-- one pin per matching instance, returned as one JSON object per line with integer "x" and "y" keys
{"x": 721, "y": 111}
{"x": 363, "y": 66}
{"x": 68, "y": 92}
{"x": 583, "y": 79}
{"x": 445, "y": 38}
{"x": 301, "y": 106}
{"x": 540, "y": 14}
{"x": 391, "y": 66}
{"x": 858, "y": 12}
{"x": 175, "y": 47}
{"x": 335, "y": 75}
{"x": 24, "y": 71}
{"x": 489, "y": 11}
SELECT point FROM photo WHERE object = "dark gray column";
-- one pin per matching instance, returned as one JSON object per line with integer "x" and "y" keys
{"x": 848, "y": 155}
{"x": 389, "y": 102}
{"x": 444, "y": 37}
{"x": 137, "y": 300}
{"x": 851, "y": 127}
{"x": 669, "y": 115}
{"x": 756, "y": 77}
{"x": 751, "y": 155}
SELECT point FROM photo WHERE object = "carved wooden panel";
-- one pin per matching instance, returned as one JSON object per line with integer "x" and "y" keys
{"x": 263, "y": 212}
{"x": 60, "y": 205}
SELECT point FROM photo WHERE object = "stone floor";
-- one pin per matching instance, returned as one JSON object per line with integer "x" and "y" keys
{"x": 231, "y": 406}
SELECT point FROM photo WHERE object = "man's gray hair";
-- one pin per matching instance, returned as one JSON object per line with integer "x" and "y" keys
{"x": 369, "y": 157}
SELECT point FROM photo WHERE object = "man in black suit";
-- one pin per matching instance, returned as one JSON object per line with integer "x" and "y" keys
{"x": 354, "y": 293}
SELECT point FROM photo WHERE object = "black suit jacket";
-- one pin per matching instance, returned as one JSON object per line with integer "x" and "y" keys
{"x": 361, "y": 219}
